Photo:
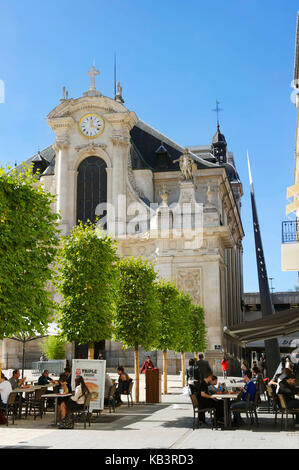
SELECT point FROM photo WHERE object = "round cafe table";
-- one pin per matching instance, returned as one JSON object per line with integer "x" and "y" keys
{"x": 56, "y": 396}
{"x": 226, "y": 397}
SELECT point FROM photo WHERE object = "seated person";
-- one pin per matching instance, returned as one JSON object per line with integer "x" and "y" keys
{"x": 108, "y": 385}
{"x": 5, "y": 390}
{"x": 76, "y": 402}
{"x": 68, "y": 373}
{"x": 287, "y": 389}
{"x": 62, "y": 401}
{"x": 15, "y": 381}
{"x": 44, "y": 379}
{"x": 206, "y": 401}
{"x": 123, "y": 384}
{"x": 248, "y": 389}
{"x": 213, "y": 386}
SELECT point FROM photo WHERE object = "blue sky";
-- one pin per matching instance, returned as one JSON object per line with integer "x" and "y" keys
{"x": 174, "y": 59}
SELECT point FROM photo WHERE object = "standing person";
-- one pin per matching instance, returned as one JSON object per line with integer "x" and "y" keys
{"x": 202, "y": 367}
{"x": 225, "y": 366}
{"x": 249, "y": 388}
{"x": 68, "y": 373}
{"x": 15, "y": 380}
{"x": 244, "y": 367}
{"x": 190, "y": 375}
{"x": 147, "y": 365}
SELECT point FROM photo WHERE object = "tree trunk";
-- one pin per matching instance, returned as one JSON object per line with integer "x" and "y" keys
{"x": 196, "y": 356}
{"x": 165, "y": 372}
{"x": 183, "y": 369}
{"x": 23, "y": 357}
{"x": 91, "y": 350}
{"x": 136, "y": 357}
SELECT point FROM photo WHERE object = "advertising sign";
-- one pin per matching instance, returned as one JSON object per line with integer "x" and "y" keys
{"x": 93, "y": 373}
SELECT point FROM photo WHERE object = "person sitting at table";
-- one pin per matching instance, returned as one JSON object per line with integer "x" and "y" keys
{"x": 14, "y": 380}
{"x": 287, "y": 389}
{"x": 108, "y": 385}
{"x": 124, "y": 381}
{"x": 5, "y": 390}
{"x": 44, "y": 379}
{"x": 68, "y": 373}
{"x": 248, "y": 389}
{"x": 62, "y": 401}
{"x": 205, "y": 400}
{"x": 190, "y": 373}
{"x": 213, "y": 385}
{"x": 76, "y": 402}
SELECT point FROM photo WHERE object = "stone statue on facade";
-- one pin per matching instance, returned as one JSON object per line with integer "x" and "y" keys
{"x": 186, "y": 165}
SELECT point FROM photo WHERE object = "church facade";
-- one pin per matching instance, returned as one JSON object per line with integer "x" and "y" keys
{"x": 178, "y": 207}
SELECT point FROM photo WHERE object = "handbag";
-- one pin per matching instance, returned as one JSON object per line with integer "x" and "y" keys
{"x": 3, "y": 419}
{"x": 67, "y": 422}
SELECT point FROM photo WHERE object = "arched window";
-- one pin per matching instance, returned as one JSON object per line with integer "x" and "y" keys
{"x": 91, "y": 188}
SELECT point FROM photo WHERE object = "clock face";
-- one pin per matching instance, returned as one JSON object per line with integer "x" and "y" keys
{"x": 91, "y": 125}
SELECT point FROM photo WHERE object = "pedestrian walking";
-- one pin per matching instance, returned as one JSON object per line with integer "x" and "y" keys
{"x": 225, "y": 366}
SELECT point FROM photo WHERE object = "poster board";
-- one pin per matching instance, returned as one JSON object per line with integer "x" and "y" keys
{"x": 93, "y": 373}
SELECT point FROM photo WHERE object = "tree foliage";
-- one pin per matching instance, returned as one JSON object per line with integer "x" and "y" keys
{"x": 53, "y": 347}
{"x": 183, "y": 344}
{"x": 198, "y": 329}
{"x": 28, "y": 244}
{"x": 137, "y": 319}
{"x": 88, "y": 282}
{"x": 169, "y": 330}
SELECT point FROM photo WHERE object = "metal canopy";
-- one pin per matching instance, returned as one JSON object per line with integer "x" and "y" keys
{"x": 272, "y": 326}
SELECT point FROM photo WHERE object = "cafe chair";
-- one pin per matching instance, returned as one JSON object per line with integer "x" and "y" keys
{"x": 245, "y": 410}
{"x": 253, "y": 409}
{"x": 285, "y": 411}
{"x": 197, "y": 410}
{"x": 10, "y": 407}
{"x": 128, "y": 393}
{"x": 84, "y": 414}
{"x": 273, "y": 406}
{"x": 36, "y": 403}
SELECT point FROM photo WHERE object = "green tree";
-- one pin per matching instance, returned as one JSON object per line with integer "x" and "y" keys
{"x": 53, "y": 347}
{"x": 184, "y": 342}
{"x": 87, "y": 280}
{"x": 28, "y": 244}
{"x": 198, "y": 330}
{"x": 169, "y": 332}
{"x": 137, "y": 319}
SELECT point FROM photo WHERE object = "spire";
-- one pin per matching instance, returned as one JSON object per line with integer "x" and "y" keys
{"x": 219, "y": 146}
{"x": 271, "y": 345}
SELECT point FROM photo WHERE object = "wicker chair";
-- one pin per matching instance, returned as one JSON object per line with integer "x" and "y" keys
{"x": 85, "y": 413}
{"x": 128, "y": 393}
{"x": 197, "y": 410}
{"x": 10, "y": 407}
{"x": 37, "y": 403}
{"x": 285, "y": 411}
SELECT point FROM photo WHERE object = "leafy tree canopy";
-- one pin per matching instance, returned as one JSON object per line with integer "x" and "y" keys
{"x": 28, "y": 244}
{"x": 88, "y": 282}
{"x": 198, "y": 329}
{"x": 169, "y": 331}
{"x": 53, "y": 347}
{"x": 137, "y": 320}
{"x": 185, "y": 306}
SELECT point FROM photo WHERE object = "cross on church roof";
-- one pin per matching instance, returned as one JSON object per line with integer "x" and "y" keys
{"x": 217, "y": 110}
{"x": 92, "y": 73}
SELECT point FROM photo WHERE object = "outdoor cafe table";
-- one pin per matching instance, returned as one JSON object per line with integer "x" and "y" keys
{"x": 56, "y": 396}
{"x": 226, "y": 397}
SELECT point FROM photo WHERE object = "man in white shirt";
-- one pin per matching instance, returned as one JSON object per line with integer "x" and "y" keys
{"x": 5, "y": 390}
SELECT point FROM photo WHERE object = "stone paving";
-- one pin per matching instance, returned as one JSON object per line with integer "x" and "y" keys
{"x": 167, "y": 425}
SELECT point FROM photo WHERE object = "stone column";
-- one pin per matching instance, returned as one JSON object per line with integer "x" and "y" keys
{"x": 63, "y": 199}
{"x": 119, "y": 174}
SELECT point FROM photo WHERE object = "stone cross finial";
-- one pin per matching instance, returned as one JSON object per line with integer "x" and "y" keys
{"x": 93, "y": 73}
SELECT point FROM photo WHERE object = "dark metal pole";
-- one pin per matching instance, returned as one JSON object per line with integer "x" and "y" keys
{"x": 271, "y": 345}
{"x": 23, "y": 357}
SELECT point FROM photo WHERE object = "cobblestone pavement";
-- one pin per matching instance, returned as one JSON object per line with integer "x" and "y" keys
{"x": 167, "y": 425}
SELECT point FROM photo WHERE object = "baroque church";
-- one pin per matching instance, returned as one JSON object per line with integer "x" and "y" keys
{"x": 106, "y": 163}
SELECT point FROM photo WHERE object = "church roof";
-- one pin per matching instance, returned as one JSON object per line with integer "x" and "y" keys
{"x": 218, "y": 137}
